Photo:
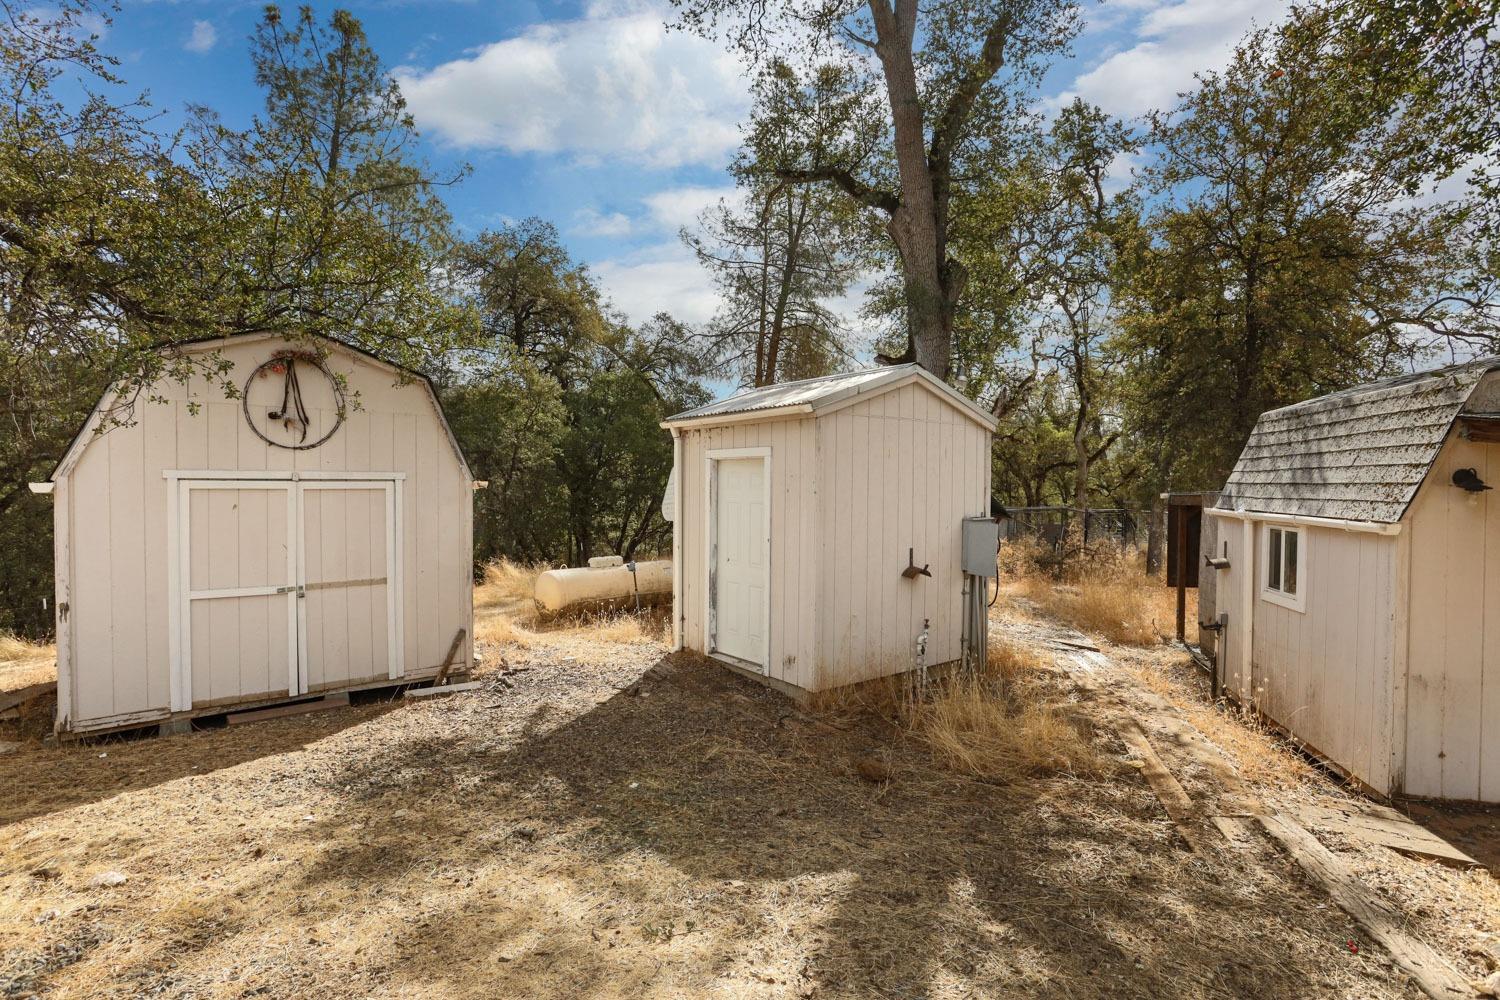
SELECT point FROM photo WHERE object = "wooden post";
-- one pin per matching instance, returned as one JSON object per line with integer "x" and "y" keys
{"x": 1180, "y": 539}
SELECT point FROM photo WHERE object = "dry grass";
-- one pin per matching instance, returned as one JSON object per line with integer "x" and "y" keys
{"x": 628, "y": 628}
{"x": 1104, "y": 592}
{"x": 1002, "y": 727}
{"x": 980, "y": 728}
{"x": 507, "y": 583}
{"x": 1260, "y": 754}
{"x": 25, "y": 663}
{"x": 1010, "y": 661}
{"x": 499, "y": 629}
{"x": 1006, "y": 725}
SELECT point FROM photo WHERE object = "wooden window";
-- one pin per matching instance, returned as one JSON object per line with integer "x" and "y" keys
{"x": 1284, "y": 583}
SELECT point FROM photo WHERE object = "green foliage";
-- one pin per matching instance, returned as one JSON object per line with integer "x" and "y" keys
{"x": 1282, "y": 261}
{"x": 788, "y": 248}
{"x": 114, "y": 243}
{"x": 1434, "y": 66}
{"x": 558, "y": 405}
{"x": 326, "y": 224}
{"x": 942, "y": 91}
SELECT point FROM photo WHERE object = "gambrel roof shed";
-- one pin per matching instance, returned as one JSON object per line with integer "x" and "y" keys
{"x": 311, "y": 535}
{"x": 1357, "y": 561}
{"x": 1356, "y": 455}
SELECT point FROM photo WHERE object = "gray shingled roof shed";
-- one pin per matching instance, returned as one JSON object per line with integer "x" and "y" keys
{"x": 1356, "y": 581}
{"x": 1356, "y": 455}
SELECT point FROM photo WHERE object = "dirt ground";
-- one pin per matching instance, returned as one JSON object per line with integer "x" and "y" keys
{"x": 604, "y": 819}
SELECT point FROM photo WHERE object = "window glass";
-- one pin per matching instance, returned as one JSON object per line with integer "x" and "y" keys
{"x": 1273, "y": 560}
{"x": 1289, "y": 562}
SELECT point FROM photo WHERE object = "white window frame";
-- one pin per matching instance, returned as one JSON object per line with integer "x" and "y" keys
{"x": 1274, "y": 595}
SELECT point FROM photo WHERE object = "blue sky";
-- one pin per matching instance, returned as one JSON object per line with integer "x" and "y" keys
{"x": 590, "y": 115}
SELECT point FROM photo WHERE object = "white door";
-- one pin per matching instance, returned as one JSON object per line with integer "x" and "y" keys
{"x": 237, "y": 592}
{"x": 740, "y": 559}
{"x": 348, "y": 613}
{"x": 284, "y": 588}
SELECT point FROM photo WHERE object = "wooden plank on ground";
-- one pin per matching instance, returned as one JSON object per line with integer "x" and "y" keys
{"x": 435, "y": 690}
{"x": 447, "y": 664}
{"x": 323, "y": 704}
{"x": 1387, "y": 828}
{"x": 1169, "y": 792}
{"x": 1430, "y": 970}
{"x": 20, "y": 696}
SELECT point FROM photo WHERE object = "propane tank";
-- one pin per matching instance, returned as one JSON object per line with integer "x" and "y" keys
{"x": 604, "y": 587}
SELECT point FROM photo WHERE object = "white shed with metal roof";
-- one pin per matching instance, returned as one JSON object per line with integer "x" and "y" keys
{"x": 312, "y": 535}
{"x": 798, "y": 507}
{"x": 1363, "y": 580}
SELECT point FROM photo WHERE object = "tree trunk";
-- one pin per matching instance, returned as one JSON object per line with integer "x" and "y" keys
{"x": 1080, "y": 469}
{"x": 914, "y": 226}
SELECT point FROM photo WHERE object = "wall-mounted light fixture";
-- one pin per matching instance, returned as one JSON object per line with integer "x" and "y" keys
{"x": 1468, "y": 479}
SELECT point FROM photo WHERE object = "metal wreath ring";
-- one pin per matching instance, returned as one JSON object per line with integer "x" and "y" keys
{"x": 291, "y": 358}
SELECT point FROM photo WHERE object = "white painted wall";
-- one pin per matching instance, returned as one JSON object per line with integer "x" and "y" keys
{"x": 112, "y": 532}
{"x": 794, "y": 563}
{"x": 1453, "y": 691}
{"x": 852, "y": 489}
{"x": 900, "y": 471}
{"x": 1325, "y": 673}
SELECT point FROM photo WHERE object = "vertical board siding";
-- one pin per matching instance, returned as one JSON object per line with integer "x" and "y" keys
{"x": 1325, "y": 673}
{"x": 852, "y": 491}
{"x": 793, "y": 619}
{"x": 901, "y": 471}
{"x": 1453, "y": 687}
{"x": 114, "y": 508}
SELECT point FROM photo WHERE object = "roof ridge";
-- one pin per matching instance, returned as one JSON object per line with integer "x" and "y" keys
{"x": 1481, "y": 364}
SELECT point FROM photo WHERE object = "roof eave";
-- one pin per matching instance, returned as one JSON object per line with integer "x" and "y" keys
{"x": 739, "y": 416}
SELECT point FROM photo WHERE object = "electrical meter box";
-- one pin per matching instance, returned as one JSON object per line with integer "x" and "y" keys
{"x": 981, "y": 544}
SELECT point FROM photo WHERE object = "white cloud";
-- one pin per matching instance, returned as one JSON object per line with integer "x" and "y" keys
{"x": 613, "y": 84}
{"x": 677, "y": 207}
{"x": 592, "y": 222}
{"x": 665, "y": 277}
{"x": 1120, "y": 171}
{"x": 204, "y": 37}
{"x": 1175, "y": 41}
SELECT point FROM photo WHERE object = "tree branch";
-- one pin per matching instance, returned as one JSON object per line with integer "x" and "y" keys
{"x": 846, "y": 182}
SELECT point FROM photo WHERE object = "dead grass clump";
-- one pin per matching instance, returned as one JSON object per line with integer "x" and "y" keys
{"x": 1119, "y": 609}
{"x": 623, "y": 627}
{"x": 14, "y": 648}
{"x": 891, "y": 698}
{"x": 501, "y": 630}
{"x": 24, "y": 663}
{"x": 976, "y": 728}
{"x": 507, "y": 582}
{"x": 1112, "y": 597}
{"x": 1009, "y": 663}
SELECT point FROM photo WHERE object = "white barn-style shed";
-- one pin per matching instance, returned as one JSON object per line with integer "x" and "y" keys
{"x": 1363, "y": 590}
{"x": 312, "y": 536}
{"x": 796, "y": 508}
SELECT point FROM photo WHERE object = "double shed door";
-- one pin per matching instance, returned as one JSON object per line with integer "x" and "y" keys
{"x": 285, "y": 587}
